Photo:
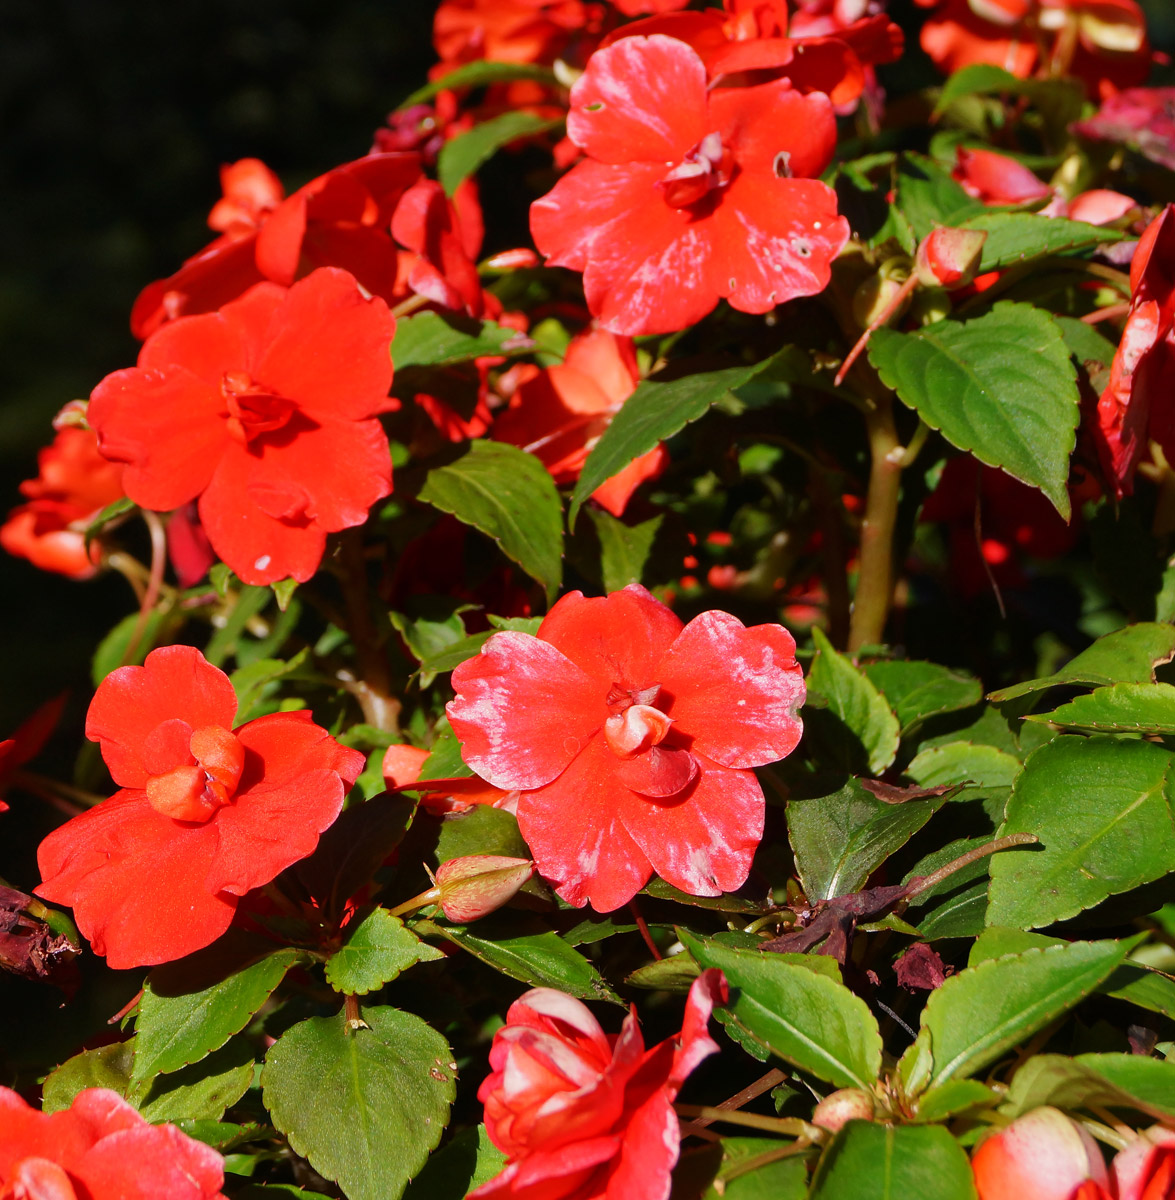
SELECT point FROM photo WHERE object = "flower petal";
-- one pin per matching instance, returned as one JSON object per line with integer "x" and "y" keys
{"x": 523, "y": 710}
{"x": 175, "y": 682}
{"x": 736, "y": 691}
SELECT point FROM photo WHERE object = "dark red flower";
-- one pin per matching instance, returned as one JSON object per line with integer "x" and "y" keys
{"x": 265, "y": 411}
{"x": 73, "y": 485}
{"x": 100, "y": 1149}
{"x": 340, "y": 219}
{"x": 1136, "y": 405}
{"x": 26, "y": 743}
{"x": 582, "y": 1115}
{"x": 631, "y": 740}
{"x": 205, "y": 813}
{"x": 1143, "y": 118}
{"x": 689, "y": 195}
{"x": 559, "y": 413}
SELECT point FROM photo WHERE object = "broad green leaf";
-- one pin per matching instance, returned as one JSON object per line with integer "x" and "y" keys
{"x": 114, "y": 649}
{"x": 202, "y": 1091}
{"x": 884, "y": 1162}
{"x": 1104, "y": 1080}
{"x": 1127, "y": 655}
{"x": 977, "y": 79}
{"x": 1084, "y": 341}
{"x": 367, "y": 1107}
{"x": 467, "y": 1162}
{"x": 114, "y": 510}
{"x": 432, "y": 339}
{"x": 856, "y": 701}
{"x": 749, "y": 1168}
{"x": 660, "y": 890}
{"x": 103, "y": 1067}
{"x": 189, "y": 1008}
{"x": 461, "y": 156}
{"x": 275, "y": 1191}
{"x": 223, "y": 1135}
{"x": 953, "y": 1097}
{"x": 1001, "y": 386}
{"x": 454, "y": 655}
{"x": 655, "y": 411}
{"x": 481, "y": 830}
{"x": 673, "y": 974}
{"x": 984, "y": 1011}
{"x": 624, "y": 549}
{"x": 841, "y": 839}
{"x": 431, "y": 627}
{"x": 1019, "y": 237}
{"x": 375, "y": 952}
{"x": 257, "y": 682}
{"x": 479, "y": 74}
{"x": 1123, "y": 707}
{"x": 927, "y": 196}
{"x": 1100, "y": 809}
{"x": 964, "y": 762}
{"x": 804, "y": 1017}
{"x": 539, "y": 959}
{"x": 508, "y": 495}
{"x": 917, "y": 690}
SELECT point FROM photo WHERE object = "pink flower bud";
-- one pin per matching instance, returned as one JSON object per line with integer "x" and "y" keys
{"x": 839, "y": 1108}
{"x": 478, "y": 884}
{"x": 949, "y": 258}
{"x": 512, "y": 260}
{"x": 1043, "y": 1154}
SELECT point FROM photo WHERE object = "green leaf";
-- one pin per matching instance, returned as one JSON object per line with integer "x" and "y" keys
{"x": 467, "y": 1162}
{"x": 376, "y": 951}
{"x": 432, "y": 339}
{"x": 883, "y": 1162}
{"x": 856, "y": 701}
{"x": 256, "y": 683}
{"x": 1084, "y": 342}
{"x": 1105, "y": 1080}
{"x": 983, "y": 1011}
{"x": 749, "y": 1168}
{"x": 463, "y": 155}
{"x": 190, "y": 1008}
{"x": 104, "y": 1067}
{"x": 964, "y": 762}
{"x": 507, "y": 494}
{"x": 479, "y": 74}
{"x": 1101, "y": 811}
{"x": 481, "y": 830}
{"x": 113, "y": 649}
{"x": 1123, "y": 707}
{"x": 977, "y": 79}
{"x": 114, "y": 510}
{"x": 804, "y": 1017}
{"x": 540, "y": 959}
{"x": 953, "y": 1097}
{"x": 202, "y": 1091}
{"x": 223, "y": 1135}
{"x": 1001, "y": 386}
{"x": 1127, "y": 655}
{"x": 841, "y": 839}
{"x": 367, "y": 1107}
{"x": 624, "y": 549}
{"x": 657, "y": 410}
{"x": 431, "y": 629}
{"x": 1020, "y": 237}
{"x": 918, "y": 690}
{"x": 927, "y": 196}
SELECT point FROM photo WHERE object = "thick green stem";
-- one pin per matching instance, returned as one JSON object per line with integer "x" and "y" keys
{"x": 875, "y": 578}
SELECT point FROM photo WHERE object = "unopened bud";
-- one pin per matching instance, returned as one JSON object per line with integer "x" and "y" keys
{"x": 874, "y": 297}
{"x": 838, "y": 1109}
{"x": 478, "y": 884}
{"x": 72, "y": 416}
{"x": 512, "y": 260}
{"x": 949, "y": 258}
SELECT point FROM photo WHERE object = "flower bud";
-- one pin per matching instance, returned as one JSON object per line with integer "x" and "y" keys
{"x": 512, "y": 260}
{"x": 839, "y": 1108}
{"x": 1043, "y": 1154}
{"x": 949, "y": 258}
{"x": 476, "y": 885}
{"x": 873, "y": 297}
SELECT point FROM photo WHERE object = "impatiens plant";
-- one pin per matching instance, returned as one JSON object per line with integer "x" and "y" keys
{"x": 737, "y": 756}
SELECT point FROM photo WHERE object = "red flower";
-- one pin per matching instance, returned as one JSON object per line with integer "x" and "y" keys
{"x": 584, "y": 1116}
{"x": 74, "y": 484}
{"x": 266, "y": 412}
{"x": 559, "y": 413}
{"x": 339, "y": 219}
{"x": 1107, "y": 38}
{"x": 100, "y": 1149}
{"x": 996, "y": 178}
{"x": 523, "y": 31}
{"x": 1145, "y": 1170}
{"x": 735, "y": 213}
{"x": 429, "y": 225}
{"x": 205, "y": 813}
{"x": 26, "y": 743}
{"x": 1136, "y": 405}
{"x": 1143, "y": 118}
{"x": 1043, "y": 1154}
{"x": 631, "y": 740}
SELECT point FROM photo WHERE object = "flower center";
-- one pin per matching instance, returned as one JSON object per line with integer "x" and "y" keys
{"x": 251, "y": 409}
{"x": 196, "y": 789}
{"x": 707, "y": 166}
{"x": 635, "y": 733}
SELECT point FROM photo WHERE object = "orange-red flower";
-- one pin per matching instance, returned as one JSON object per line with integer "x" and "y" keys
{"x": 100, "y": 1149}
{"x": 27, "y": 741}
{"x": 74, "y": 483}
{"x": 631, "y": 740}
{"x": 1145, "y": 1169}
{"x": 582, "y": 1115}
{"x": 559, "y": 413}
{"x": 266, "y": 411}
{"x": 205, "y": 813}
{"x": 689, "y": 195}
{"x": 1043, "y": 1154}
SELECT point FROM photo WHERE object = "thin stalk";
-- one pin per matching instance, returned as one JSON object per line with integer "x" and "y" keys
{"x": 768, "y": 1156}
{"x": 643, "y": 927}
{"x": 380, "y": 707}
{"x": 62, "y": 796}
{"x": 154, "y": 583}
{"x": 788, "y": 1126}
{"x": 752, "y": 1091}
{"x": 965, "y": 860}
{"x": 1109, "y": 313}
